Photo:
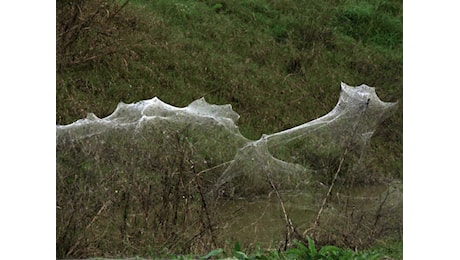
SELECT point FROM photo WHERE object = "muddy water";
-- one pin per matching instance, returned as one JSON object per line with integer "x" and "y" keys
{"x": 260, "y": 221}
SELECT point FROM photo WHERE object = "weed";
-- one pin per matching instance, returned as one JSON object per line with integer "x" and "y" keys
{"x": 298, "y": 251}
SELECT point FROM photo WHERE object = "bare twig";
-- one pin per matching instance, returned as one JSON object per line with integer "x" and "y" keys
{"x": 214, "y": 167}
{"x": 119, "y": 9}
{"x": 379, "y": 210}
{"x": 103, "y": 207}
{"x": 342, "y": 159}
{"x": 289, "y": 227}
{"x": 204, "y": 206}
{"x": 327, "y": 195}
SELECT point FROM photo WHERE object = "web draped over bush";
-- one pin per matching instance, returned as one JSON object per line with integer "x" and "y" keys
{"x": 160, "y": 158}
{"x": 212, "y": 133}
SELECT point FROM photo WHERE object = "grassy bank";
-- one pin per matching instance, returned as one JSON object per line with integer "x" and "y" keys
{"x": 278, "y": 63}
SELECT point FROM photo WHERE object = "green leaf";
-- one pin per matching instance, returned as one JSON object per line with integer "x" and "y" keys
{"x": 301, "y": 246}
{"x": 347, "y": 254}
{"x": 295, "y": 252}
{"x": 237, "y": 246}
{"x": 370, "y": 256}
{"x": 240, "y": 255}
{"x": 329, "y": 250}
{"x": 214, "y": 252}
{"x": 217, "y": 6}
{"x": 311, "y": 246}
{"x": 261, "y": 257}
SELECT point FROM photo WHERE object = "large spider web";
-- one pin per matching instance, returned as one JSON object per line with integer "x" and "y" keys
{"x": 212, "y": 132}
{"x": 151, "y": 136}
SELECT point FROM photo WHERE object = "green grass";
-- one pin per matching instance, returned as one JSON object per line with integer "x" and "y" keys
{"x": 278, "y": 63}
{"x": 373, "y": 22}
{"x": 289, "y": 53}
{"x": 303, "y": 251}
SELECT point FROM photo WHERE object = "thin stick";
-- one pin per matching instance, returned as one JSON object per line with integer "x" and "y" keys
{"x": 214, "y": 167}
{"x": 288, "y": 221}
{"x": 316, "y": 223}
{"x": 88, "y": 226}
{"x": 119, "y": 9}
{"x": 327, "y": 195}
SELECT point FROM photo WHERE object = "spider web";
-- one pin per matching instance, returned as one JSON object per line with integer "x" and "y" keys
{"x": 151, "y": 137}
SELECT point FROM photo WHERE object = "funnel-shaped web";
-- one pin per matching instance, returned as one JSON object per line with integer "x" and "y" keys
{"x": 208, "y": 134}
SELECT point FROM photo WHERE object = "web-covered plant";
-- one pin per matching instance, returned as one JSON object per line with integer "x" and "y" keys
{"x": 151, "y": 175}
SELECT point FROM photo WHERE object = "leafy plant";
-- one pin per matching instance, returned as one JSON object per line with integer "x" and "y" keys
{"x": 218, "y": 7}
{"x": 300, "y": 251}
{"x": 213, "y": 253}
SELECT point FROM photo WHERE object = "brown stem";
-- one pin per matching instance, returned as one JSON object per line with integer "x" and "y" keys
{"x": 289, "y": 226}
{"x": 315, "y": 225}
{"x": 103, "y": 207}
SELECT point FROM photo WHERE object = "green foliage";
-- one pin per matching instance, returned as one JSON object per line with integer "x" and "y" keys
{"x": 375, "y": 22}
{"x": 218, "y": 7}
{"x": 301, "y": 251}
{"x": 213, "y": 253}
{"x": 236, "y": 253}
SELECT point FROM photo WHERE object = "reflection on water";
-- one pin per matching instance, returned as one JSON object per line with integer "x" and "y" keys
{"x": 260, "y": 221}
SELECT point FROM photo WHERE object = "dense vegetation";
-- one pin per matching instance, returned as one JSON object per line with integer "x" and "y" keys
{"x": 301, "y": 251}
{"x": 278, "y": 63}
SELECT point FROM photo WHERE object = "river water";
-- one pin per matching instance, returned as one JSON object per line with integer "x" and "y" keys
{"x": 261, "y": 221}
